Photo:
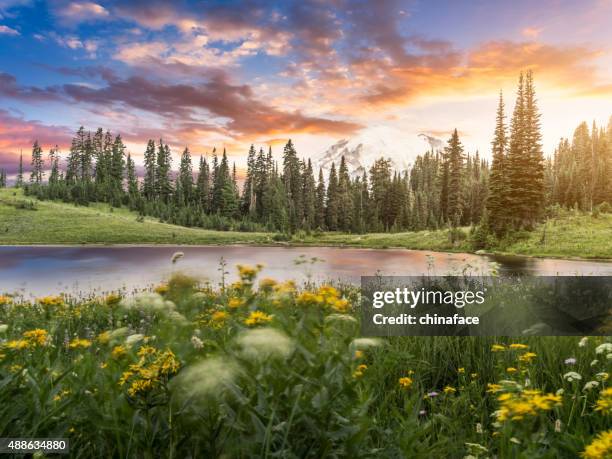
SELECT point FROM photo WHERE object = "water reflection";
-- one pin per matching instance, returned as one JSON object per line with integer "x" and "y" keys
{"x": 47, "y": 270}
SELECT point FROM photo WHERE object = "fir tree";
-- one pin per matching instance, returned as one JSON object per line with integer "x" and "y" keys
{"x": 498, "y": 190}
{"x": 37, "y": 165}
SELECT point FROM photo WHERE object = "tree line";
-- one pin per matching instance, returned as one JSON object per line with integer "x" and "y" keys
{"x": 445, "y": 188}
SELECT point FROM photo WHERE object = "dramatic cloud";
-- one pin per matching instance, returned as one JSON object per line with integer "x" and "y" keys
{"x": 233, "y": 108}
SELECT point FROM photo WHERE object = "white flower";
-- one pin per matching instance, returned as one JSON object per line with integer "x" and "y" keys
{"x": 590, "y": 385}
{"x": 572, "y": 376}
{"x": 583, "y": 342}
{"x": 594, "y": 362}
{"x": 570, "y": 361}
{"x": 133, "y": 339}
{"x": 207, "y": 378}
{"x": 364, "y": 343}
{"x": 197, "y": 342}
{"x": 603, "y": 376}
{"x": 148, "y": 301}
{"x": 340, "y": 318}
{"x": 605, "y": 347}
{"x": 264, "y": 343}
{"x": 177, "y": 256}
{"x": 3, "y": 328}
{"x": 559, "y": 392}
{"x": 609, "y": 356}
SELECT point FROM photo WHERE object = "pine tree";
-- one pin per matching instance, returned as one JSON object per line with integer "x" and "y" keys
{"x": 163, "y": 184}
{"x": 19, "y": 180}
{"x": 455, "y": 158}
{"x": 534, "y": 170}
{"x": 36, "y": 174}
{"x": 148, "y": 185}
{"x": 309, "y": 197}
{"x": 186, "y": 177}
{"x": 132, "y": 179}
{"x": 203, "y": 185}
{"x": 319, "y": 220}
{"x": 331, "y": 214}
{"x": 54, "y": 161}
{"x": 498, "y": 190}
{"x": 2, "y": 178}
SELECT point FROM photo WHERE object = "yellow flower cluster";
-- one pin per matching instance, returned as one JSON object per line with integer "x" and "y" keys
{"x": 527, "y": 357}
{"x": 153, "y": 369}
{"x": 405, "y": 382}
{"x": 118, "y": 352}
{"x": 267, "y": 284}
{"x": 449, "y": 390}
{"x": 50, "y": 300}
{"x": 248, "y": 273}
{"x": 79, "y": 343}
{"x": 604, "y": 403}
{"x": 257, "y": 318}
{"x": 600, "y": 447}
{"x": 113, "y": 299}
{"x": 5, "y": 300}
{"x": 161, "y": 289}
{"x": 358, "y": 373}
{"x": 325, "y": 296}
{"x": 515, "y": 406}
{"x": 31, "y": 339}
{"x": 235, "y": 303}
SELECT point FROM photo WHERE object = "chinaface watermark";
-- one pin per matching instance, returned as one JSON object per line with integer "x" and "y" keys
{"x": 486, "y": 306}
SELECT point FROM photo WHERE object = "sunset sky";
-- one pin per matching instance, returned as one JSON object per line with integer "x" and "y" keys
{"x": 228, "y": 74}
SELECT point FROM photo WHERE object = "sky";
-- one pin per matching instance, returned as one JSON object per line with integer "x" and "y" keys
{"x": 228, "y": 74}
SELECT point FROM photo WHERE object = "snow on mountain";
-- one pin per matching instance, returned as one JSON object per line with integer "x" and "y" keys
{"x": 361, "y": 151}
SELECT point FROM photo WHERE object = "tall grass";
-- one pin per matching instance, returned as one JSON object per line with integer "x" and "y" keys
{"x": 266, "y": 369}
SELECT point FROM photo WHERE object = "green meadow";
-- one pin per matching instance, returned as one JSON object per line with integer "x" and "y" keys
{"x": 25, "y": 220}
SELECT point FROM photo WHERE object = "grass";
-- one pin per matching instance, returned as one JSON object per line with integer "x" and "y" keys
{"x": 569, "y": 235}
{"x": 270, "y": 370}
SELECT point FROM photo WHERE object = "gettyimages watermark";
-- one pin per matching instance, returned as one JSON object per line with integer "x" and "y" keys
{"x": 486, "y": 306}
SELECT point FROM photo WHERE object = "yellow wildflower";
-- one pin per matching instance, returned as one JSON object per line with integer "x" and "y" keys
{"x": 18, "y": 344}
{"x": 340, "y": 305}
{"x": 161, "y": 289}
{"x": 267, "y": 284}
{"x": 358, "y": 354}
{"x": 257, "y": 318}
{"x": 493, "y": 388}
{"x": 518, "y": 346}
{"x": 511, "y": 370}
{"x": 118, "y": 352}
{"x": 248, "y": 273}
{"x": 308, "y": 298}
{"x": 604, "y": 403}
{"x": 600, "y": 447}
{"x": 449, "y": 390}
{"x": 235, "y": 303}
{"x": 50, "y": 300}
{"x": 37, "y": 337}
{"x": 60, "y": 395}
{"x": 405, "y": 382}
{"x": 5, "y": 300}
{"x": 527, "y": 357}
{"x": 358, "y": 373}
{"x": 104, "y": 337}
{"x": 79, "y": 343}
{"x": 461, "y": 371}
{"x": 113, "y": 299}
{"x": 498, "y": 348}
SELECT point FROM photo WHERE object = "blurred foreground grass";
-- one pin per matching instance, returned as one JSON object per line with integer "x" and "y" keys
{"x": 267, "y": 369}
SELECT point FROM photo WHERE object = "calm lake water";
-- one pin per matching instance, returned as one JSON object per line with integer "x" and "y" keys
{"x": 35, "y": 271}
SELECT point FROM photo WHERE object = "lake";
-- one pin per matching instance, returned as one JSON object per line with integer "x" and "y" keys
{"x": 80, "y": 270}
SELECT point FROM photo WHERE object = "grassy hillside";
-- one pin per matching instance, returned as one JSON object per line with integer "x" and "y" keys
{"x": 59, "y": 223}
{"x": 569, "y": 235}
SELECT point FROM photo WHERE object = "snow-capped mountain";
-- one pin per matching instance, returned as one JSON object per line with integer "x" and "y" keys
{"x": 361, "y": 151}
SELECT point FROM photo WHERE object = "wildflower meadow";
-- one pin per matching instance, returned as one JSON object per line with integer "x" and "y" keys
{"x": 261, "y": 368}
